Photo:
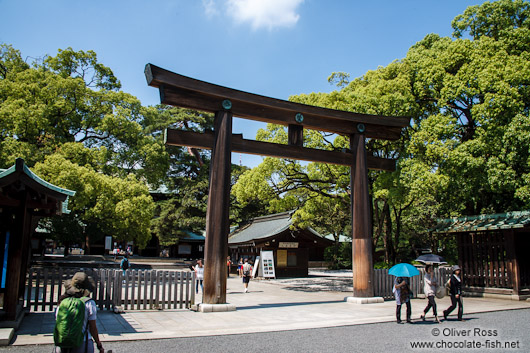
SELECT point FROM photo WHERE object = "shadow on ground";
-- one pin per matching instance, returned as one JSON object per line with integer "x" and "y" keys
{"x": 316, "y": 284}
{"x": 280, "y": 305}
{"x": 43, "y": 324}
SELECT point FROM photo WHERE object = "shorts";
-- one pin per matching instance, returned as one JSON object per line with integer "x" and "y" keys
{"x": 246, "y": 279}
{"x": 80, "y": 349}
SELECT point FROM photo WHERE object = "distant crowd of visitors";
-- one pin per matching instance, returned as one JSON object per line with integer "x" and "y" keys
{"x": 244, "y": 270}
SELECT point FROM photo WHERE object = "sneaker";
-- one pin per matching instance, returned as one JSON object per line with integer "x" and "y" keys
{"x": 422, "y": 317}
{"x": 409, "y": 321}
{"x": 399, "y": 322}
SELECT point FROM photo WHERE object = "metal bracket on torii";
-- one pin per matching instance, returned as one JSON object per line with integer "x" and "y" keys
{"x": 182, "y": 91}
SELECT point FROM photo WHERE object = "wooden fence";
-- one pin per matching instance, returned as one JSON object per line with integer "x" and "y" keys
{"x": 383, "y": 282}
{"x": 158, "y": 289}
{"x": 137, "y": 290}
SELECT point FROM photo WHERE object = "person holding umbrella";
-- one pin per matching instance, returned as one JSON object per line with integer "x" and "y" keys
{"x": 455, "y": 289}
{"x": 430, "y": 259}
{"x": 402, "y": 294}
{"x": 401, "y": 288}
{"x": 429, "y": 289}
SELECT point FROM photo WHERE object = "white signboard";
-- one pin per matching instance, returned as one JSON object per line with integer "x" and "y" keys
{"x": 267, "y": 264}
{"x": 108, "y": 242}
{"x": 255, "y": 267}
{"x": 288, "y": 244}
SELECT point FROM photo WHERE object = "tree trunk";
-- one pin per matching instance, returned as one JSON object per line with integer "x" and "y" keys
{"x": 66, "y": 248}
{"x": 87, "y": 244}
{"x": 378, "y": 221}
{"x": 336, "y": 251}
{"x": 387, "y": 238}
{"x": 397, "y": 234}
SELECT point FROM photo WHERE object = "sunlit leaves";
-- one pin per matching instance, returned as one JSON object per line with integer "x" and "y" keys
{"x": 120, "y": 207}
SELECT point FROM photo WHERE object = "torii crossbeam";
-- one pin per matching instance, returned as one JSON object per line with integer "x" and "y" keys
{"x": 182, "y": 91}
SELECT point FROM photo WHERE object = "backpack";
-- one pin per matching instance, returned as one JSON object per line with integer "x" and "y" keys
{"x": 125, "y": 264}
{"x": 68, "y": 331}
{"x": 246, "y": 270}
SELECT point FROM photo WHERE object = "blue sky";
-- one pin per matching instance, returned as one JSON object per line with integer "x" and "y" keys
{"x": 276, "y": 48}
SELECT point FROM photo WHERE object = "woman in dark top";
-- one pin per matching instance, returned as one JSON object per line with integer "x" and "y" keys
{"x": 455, "y": 289}
{"x": 402, "y": 293}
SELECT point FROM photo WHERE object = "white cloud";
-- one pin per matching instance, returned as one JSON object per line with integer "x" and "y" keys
{"x": 268, "y": 14}
{"x": 210, "y": 8}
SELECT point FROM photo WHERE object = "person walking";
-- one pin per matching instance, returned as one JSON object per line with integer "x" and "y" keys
{"x": 247, "y": 274}
{"x": 79, "y": 286}
{"x": 429, "y": 289}
{"x": 199, "y": 271}
{"x": 455, "y": 289}
{"x": 124, "y": 264}
{"x": 228, "y": 264}
{"x": 402, "y": 293}
{"x": 240, "y": 268}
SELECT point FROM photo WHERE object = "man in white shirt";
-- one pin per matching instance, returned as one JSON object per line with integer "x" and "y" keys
{"x": 247, "y": 274}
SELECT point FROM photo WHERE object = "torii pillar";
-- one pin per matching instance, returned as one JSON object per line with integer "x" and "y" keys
{"x": 362, "y": 264}
{"x": 178, "y": 90}
{"x": 217, "y": 216}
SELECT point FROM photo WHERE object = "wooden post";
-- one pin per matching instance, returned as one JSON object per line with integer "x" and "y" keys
{"x": 361, "y": 221}
{"x": 15, "y": 259}
{"x": 217, "y": 215}
{"x": 30, "y": 224}
{"x": 511, "y": 254}
{"x": 295, "y": 135}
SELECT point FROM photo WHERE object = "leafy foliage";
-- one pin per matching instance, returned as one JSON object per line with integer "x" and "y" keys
{"x": 67, "y": 118}
{"x": 467, "y": 149}
{"x": 73, "y": 98}
{"x": 120, "y": 207}
{"x": 466, "y": 152}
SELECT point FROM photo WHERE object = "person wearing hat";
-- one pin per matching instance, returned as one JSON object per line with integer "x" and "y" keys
{"x": 455, "y": 289}
{"x": 81, "y": 285}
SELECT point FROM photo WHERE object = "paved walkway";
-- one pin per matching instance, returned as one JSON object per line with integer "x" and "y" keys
{"x": 277, "y": 305}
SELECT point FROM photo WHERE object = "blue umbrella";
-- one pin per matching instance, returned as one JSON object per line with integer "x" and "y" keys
{"x": 403, "y": 270}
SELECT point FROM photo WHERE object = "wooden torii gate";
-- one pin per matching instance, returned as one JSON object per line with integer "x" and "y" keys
{"x": 182, "y": 91}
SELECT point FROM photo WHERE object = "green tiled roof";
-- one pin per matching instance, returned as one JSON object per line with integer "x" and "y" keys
{"x": 20, "y": 166}
{"x": 263, "y": 228}
{"x": 190, "y": 236}
{"x": 510, "y": 220}
{"x": 21, "y": 170}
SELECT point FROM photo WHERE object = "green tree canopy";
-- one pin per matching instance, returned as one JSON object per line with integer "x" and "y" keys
{"x": 66, "y": 116}
{"x": 121, "y": 207}
{"x": 467, "y": 149}
{"x": 73, "y": 98}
